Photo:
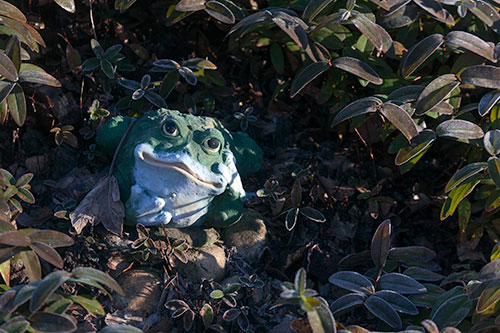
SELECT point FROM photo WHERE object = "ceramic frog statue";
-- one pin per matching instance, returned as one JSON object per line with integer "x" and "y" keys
{"x": 179, "y": 169}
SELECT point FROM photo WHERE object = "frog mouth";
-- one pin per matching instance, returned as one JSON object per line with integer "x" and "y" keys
{"x": 179, "y": 167}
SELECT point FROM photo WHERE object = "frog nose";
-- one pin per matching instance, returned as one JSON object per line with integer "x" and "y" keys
{"x": 187, "y": 149}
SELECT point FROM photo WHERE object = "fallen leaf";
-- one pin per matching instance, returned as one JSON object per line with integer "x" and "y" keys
{"x": 101, "y": 204}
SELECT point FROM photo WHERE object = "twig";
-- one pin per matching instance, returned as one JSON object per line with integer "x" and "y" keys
{"x": 120, "y": 145}
{"x": 92, "y": 19}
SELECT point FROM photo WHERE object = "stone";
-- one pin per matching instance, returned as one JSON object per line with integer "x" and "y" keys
{"x": 208, "y": 262}
{"x": 195, "y": 237}
{"x": 142, "y": 292}
{"x": 248, "y": 236}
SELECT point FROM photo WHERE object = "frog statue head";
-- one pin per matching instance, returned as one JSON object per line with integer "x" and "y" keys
{"x": 178, "y": 169}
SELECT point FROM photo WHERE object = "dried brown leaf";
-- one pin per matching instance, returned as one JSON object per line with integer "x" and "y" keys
{"x": 101, "y": 204}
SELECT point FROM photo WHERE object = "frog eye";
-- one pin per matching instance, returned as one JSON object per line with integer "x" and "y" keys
{"x": 170, "y": 128}
{"x": 212, "y": 144}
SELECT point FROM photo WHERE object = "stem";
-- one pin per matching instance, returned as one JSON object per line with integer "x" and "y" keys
{"x": 120, "y": 145}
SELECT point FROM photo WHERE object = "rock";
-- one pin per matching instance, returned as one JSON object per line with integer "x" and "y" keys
{"x": 248, "y": 236}
{"x": 208, "y": 262}
{"x": 195, "y": 237}
{"x": 142, "y": 292}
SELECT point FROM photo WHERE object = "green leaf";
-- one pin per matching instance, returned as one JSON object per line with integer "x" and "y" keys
{"x": 217, "y": 294}
{"x": 492, "y": 203}
{"x": 39, "y": 77}
{"x": 410, "y": 254}
{"x": 312, "y": 214}
{"x": 489, "y": 297}
{"x": 190, "y": 5}
{"x": 59, "y": 306}
{"x": 401, "y": 284}
{"x": 468, "y": 41}
{"x": 91, "y": 64}
{"x": 277, "y": 57}
{"x": 16, "y": 325}
{"x": 358, "y": 68}
{"x": 400, "y": 17}
{"x": 313, "y": 8}
{"x": 7, "y": 68}
{"x": 487, "y": 102}
{"x": 384, "y": 311}
{"x": 397, "y": 301}
{"x": 96, "y": 48}
{"x": 460, "y": 129}
{"x": 129, "y": 84}
{"x": 416, "y": 146}
{"x": 400, "y": 119}
{"x": 90, "y": 304}
{"x": 48, "y": 254}
{"x": 13, "y": 51}
{"x": 52, "y": 238}
{"x": 436, "y": 10}
{"x": 16, "y": 103}
{"x": 321, "y": 319}
{"x": 107, "y": 68}
{"x": 31, "y": 264}
{"x": 306, "y": 75}
{"x": 356, "y": 108}
{"x": 101, "y": 277}
{"x": 292, "y": 26}
{"x": 406, "y": 94}
{"x": 352, "y": 281}
{"x": 112, "y": 52}
{"x": 67, "y": 5}
{"x": 381, "y": 242}
{"x": 419, "y": 53}
{"x": 291, "y": 218}
{"x": 486, "y": 13}
{"x": 51, "y": 322}
{"x": 9, "y": 10}
{"x": 202, "y": 63}
{"x": 465, "y": 173}
{"x": 120, "y": 329}
{"x": 436, "y": 92}
{"x": 494, "y": 170}
{"x": 457, "y": 194}
{"x": 207, "y": 315}
{"x": 485, "y": 76}
{"x": 347, "y": 302}
{"x": 422, "y": 274}
{"x": 46, "y": 288}
{"x": 168, "y": 83}
{"x": 155, "y": 99}
{"x": 219, "y": 11}
{"x": 300, "y": 280}
{"x": 24, "y": 179}
{"x": 14, "y": 238}
{"x": 452, "y": 311}
{"x": 188, "y": 75}
{"x": 377, "y": 35}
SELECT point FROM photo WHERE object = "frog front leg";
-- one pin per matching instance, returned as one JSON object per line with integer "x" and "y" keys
{"x": 225, "y": 209}
{"x": 146, "y": 208}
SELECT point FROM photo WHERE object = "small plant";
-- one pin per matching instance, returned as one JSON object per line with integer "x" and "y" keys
{"x": 168, "y": 251}
{"x": 318, "y": 313}
{"x": 9, "y": 190}
{"x": 63, "y": 135}
{"x": 42, "y": 306}
{"x": 28, "y": 245}
{"x": 140, "y": 92}
{"x": 245, "y": 118}
{"x": 227, "y": 295}
{"x": 14, "y": 72}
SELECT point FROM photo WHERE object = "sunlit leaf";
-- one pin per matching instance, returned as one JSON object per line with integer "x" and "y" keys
{"x": 419, "y": 53}
{"x": 67, "y": 5}
{"x": 313, "y": 8}
{"x": 219, "y": 11}
{"x": 488, "y": 101}
{"x": 485, "y": 76}
{"x": 101, "y": 277}
{"x": 417, "y": 145}
{"x": 306, "y": 75}
{"x": 460, "y": 129}
{"x": 401, "y": 284}
{"x": 358, "y": 68}
{"x": 46, "y": 288}
{"x": 356, "y": 108}
{"x": 352, "y": 281}
{"x": 48, "y": 254}
{"x": 435, "y": 92}
{"x": 190, "y": 5}
{"x": 436, "y": 10}
{"x": 465, "y": 173}
{"x": 381, "y": 242}
{"x": 52, "y": 322}
{"x": 400, "y": 119}
{"x": 377, "y": 35}
{"x": 468, "y": 41}
{"x": 457, "y": 194}
{"x": 39, "y": 77}
{"x": 406, "y": 94}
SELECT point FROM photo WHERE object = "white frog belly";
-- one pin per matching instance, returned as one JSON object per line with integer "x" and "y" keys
{"x": 163, "y": 195}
